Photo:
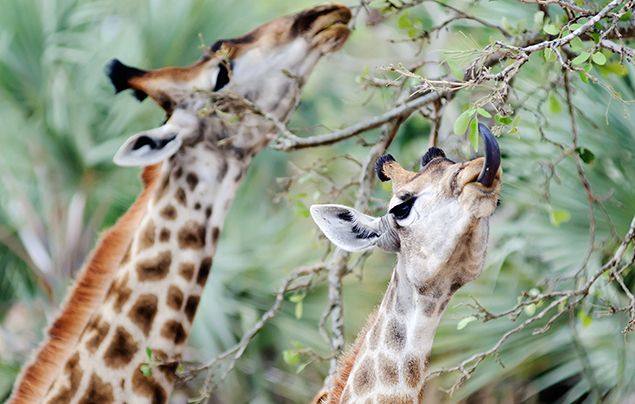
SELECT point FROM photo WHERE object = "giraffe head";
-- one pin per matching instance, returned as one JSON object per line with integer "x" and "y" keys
{"x": 265, "y": 68}
{"x": 437, "y": 218}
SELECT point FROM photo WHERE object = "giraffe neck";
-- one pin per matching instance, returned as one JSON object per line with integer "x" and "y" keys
{"x": 394, "y": 353}
{"x": 391, "y": 358}
{"x": 154, "y": 296}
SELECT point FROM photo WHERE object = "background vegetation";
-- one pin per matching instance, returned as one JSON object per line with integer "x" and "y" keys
{"x": 567, "y": 200}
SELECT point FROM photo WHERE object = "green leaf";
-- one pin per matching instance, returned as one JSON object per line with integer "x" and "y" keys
{"x": 583, "y": 77}
{"x": 464, "y": 322}
{"x": 412, "y": 32}
{"x": 550, "y": 29}
{"x": 180, "y": 369}
{"x": 297, "y": 298}
{"x": 301, "y": 209}
{"x": 377, "y": 4}
{"x": 585, "y": 154}
{"x": 539, "y": 18}
{"x": 533, "y": 292}
{"x": 530, "y": 309}
{"x": 291, "y": 357}
{"x": 146, "y": 370}
{"x": 461, "y": 123}
{"x": 298, "y": 310}
{"x": 581, "y": 58}
{"x": 455, "y": 69}
{"x": 149, "y": 353}
{"x": 558, "y": 216}
{"x": 474, "y": 133}
{"x": 616, "y": 68}
{"x": 404, "y": 21}
{"x": 599, "y": 58}
{"x": 577, "y": 44}
{"x": 483, "y": 112}
{"x": 574, "y": 26}
{"x": 584, "y": 318}
{"x": 503, "y": 120}
{"x": 554, "y": 104}
{"x": 549, "y": 55}
{"x": 301, "y": 367}
{"x": 627, "y": 16}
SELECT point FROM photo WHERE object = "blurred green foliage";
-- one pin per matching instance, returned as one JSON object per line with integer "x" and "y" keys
{"x": 61, "y": 124}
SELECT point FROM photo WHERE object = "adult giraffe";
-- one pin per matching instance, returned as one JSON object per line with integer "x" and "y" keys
{"x": 141, "y": 287}
{"x": 437, "y": 223}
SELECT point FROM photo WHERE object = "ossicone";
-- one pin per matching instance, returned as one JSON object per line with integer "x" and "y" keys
{"x": 379, "y": 166}
{"x": 431, "y": 154}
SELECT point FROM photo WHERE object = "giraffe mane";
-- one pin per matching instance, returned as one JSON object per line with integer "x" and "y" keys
{"x": 86, "y": 295}
{"x": 346, "y": 365}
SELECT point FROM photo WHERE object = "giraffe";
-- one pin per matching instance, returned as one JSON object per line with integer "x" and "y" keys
{"x": 138, "y": 293}
{"x": 437, "y": 223}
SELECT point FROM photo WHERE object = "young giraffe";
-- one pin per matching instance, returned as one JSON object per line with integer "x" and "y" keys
{"x": 142, "y": 285}
{"x": 437, "y": 223}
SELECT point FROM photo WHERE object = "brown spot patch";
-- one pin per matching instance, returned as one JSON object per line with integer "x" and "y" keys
{"x": 175, "y": 297}
{"x": 208, "y": 212}
{"x": 364, "y": 377}
{"x": 192, "y": 180}
{"x": 186, "y": 270}
{"x": 215, "y": 234}
{"x": 444, "y": 304}
{"x": 121, "y": 349}
{"x": 143, "y": 312}
{"x": 100, "y": 329}
{"x": 190, "y": 307}
{"x": 97, "y": 392}
{"x": 165, "y": 181}
{"x": 192, "y": 235}
{"x": 120, "y": 292}
{"x": 164, "y": 235}
{"x": 395, "y": 335}
{"x": 74, "y": 374}
{"x": 203, "y": 270}
{"x": 412, "y": 370}
{"x": 197, "y": 206}
{"x": 148, "y": 236}
{"x": 148, "y": 387}
{"x": 429, "y": 306}
{"x": 168, "y": 212}
{"x": 173, "y": 331}
{"x": 181, "y": 197}
{"x": 388, "y": 370}
{"x": 154, "y": 269}
{"x": 456, "y": 284}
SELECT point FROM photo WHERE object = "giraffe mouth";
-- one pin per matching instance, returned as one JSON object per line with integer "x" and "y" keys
{"x": 332, "y": 28}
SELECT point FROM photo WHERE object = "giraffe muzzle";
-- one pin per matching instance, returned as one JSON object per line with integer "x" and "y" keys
{"x": 492, "y": 157}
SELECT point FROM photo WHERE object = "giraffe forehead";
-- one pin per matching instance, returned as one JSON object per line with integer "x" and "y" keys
{"x": 432, "y": 175}
{"x": 306, "y": 24}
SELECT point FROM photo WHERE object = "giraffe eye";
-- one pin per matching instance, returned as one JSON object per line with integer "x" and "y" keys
{"x": 402, "y": 210}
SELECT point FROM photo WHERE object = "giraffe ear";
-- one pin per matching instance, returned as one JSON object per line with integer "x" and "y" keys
{"x": 150, "y": 147}
{"x": 155, "y": 145}
{"x": 352, "y": 230}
